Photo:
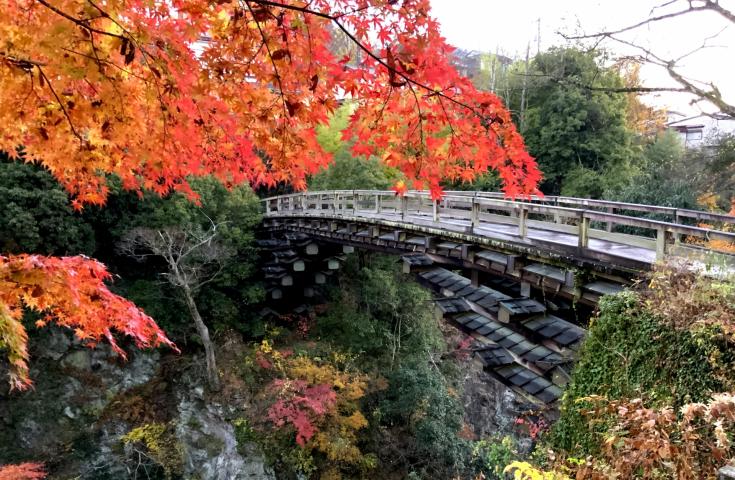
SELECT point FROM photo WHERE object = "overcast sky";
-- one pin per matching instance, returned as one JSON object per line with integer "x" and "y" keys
{"x": 509, "y": 25}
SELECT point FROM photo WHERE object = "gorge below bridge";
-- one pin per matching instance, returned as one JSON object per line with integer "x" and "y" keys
{"x": 520, "y": 277}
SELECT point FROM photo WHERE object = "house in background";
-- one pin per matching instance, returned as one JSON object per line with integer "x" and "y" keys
{"x": 696, "y": 131}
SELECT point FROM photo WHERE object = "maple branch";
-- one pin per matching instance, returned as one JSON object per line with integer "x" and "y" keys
{"x": 42, "y": 74}
{"x": 278, "y": 78}
{"x": 382, "y": 108}
{"x": 421, "y": 115}
{"x": 106, "y": 62}
{"x": 351, "y": 12}
{"x": 81, "y": 22}
{"x": 449, "y": 123}
{"x": 252, "y": 58}
{"x": 25, "y": 64}
{"x": 147, "y": 58}
{"x": 84, "y": 23}
{"x": 371, "y": 54}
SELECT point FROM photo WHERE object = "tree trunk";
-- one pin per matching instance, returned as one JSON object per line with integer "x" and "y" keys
{"x": 212, "y": 373}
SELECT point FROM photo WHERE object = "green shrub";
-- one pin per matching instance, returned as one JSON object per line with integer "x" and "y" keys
{"x": 244, "y": 432}
{"x": 161, "y": 446}
{"x": 492, "y": 455}
{"x": 631, "y": 353}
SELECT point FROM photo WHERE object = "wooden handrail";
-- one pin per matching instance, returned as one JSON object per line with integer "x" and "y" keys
{"x": 636, "y": 207}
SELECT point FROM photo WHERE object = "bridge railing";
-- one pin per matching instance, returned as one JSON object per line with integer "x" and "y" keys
{"x": 474, "y": 209}
{"x": 675, "y": 215}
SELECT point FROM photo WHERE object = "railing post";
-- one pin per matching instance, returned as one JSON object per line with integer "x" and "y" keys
{"x": 404, "y": 207}
{"x": 435, "y": 210}
{"x": 583, "y": 235}
{"x": 377, "y": 202}
{"x": 523, "y": 222}
{"x": 662, "y": 240}
{"x": 677, "y": 220}
{"x": 609, "y": 226}
{"x": 474, "y": 213}
{"x": 321, "y": 202}
{"x": 335, "y": 203}
{"x": 267, "y": 206}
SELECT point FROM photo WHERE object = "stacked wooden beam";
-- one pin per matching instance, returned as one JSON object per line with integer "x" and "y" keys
{"x": 294, "y": 262}
{"x": 516, "y": 340}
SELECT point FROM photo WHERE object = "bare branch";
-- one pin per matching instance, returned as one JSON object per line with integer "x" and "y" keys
{"x": 576, "y": 83}
{"x": 702, "y": 90}
{"x": 710, "y": 5}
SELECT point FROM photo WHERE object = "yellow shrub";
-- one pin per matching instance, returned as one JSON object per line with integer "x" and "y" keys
{"x": 526, "y": 471}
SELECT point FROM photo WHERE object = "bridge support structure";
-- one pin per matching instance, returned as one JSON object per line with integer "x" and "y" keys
{"x": 512, "y": 275}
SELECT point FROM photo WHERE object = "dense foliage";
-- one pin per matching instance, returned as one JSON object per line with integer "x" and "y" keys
{"x": 644, "y": 400}
{"x": 717, "y": 178}
{"x": 664, "y": 176}
{"x": 70, "y": 292}
{"x": 347, "y": 172}
{"x": 49, "y": 225}
{"x": 631, "y": 352}
{"x": 235, "y": 212}
{"x": 23, "y": 471}
{"x": 36, "y": 216}
{"x": 579, "y": 136}
{"x": 374, "y": 396}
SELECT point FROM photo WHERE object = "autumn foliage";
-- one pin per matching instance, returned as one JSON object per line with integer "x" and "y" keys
{"x": 157, "y": 92}
{"x": 316, "y": 402}
{"x": 70, "y": 292}
{"x": 23, "y": 471}
{"x": 687, "y": 299}
{"x": 657, "y": 443}
{"x": 299, "y": 405}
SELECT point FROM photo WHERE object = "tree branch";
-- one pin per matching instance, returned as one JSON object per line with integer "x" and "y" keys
{"x": 84, "y": 23}
{"x": 61, "y": 104}
{"x": 709, "y": 93}
{"x": 335, "y": 19}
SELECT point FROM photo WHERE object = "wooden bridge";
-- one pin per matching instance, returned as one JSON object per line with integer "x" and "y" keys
{"x": 573, "y": 229}
{"x": 518, "y": 276}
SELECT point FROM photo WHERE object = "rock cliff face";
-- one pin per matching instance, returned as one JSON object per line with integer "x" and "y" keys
{"x": 490, "y": 407}
{"x": 85, "y": 400}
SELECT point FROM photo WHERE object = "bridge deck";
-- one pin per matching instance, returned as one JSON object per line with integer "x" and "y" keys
{"x": 507, "y": 232}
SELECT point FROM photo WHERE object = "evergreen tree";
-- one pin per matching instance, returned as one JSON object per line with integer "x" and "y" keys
{"x": 578, "y": 135}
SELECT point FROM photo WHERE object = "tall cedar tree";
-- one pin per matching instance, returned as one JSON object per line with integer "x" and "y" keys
{"x": 156, "y": 92}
